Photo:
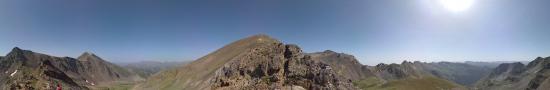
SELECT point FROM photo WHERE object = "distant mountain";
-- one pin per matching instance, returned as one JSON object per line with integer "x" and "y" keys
{"x": 344, "y": 64}
{"x": 517, "y": 76}
{"x": 257, "y": 62}
{"x": 148, "y": 68}
{"x": 461, "y": 73}
{"x": 399, "y": 76}
{"x": 23, "y": 69}
{"x": 405, "y": 76}
{"x": 491, "y": 64}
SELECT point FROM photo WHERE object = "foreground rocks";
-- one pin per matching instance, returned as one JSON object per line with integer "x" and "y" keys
{"x": 278, "y": 67}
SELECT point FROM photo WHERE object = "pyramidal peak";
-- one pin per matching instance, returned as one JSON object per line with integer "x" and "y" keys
{"x": 262, "y": 38}
{"x": 16, "y": 49}
{"x": 88, "y": 56}
{"x": 17, "y": 52}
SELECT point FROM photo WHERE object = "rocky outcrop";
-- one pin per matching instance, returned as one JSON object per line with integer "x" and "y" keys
{"x": 256, "y": 62}
{"x": 276, "y": 67}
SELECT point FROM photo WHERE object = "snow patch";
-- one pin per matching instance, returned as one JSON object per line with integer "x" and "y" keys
{"x": 90, "y": 82}
{"x": 11, "y": 75}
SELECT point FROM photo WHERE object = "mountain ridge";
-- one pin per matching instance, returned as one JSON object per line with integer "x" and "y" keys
{"x": 512, "y": 76}
{"x": 31, "y": 70}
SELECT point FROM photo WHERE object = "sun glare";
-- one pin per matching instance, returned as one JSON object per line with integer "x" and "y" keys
{"x": 457, "y": 5}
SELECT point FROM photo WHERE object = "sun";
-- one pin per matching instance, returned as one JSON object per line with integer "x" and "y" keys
{"x": 456, "y": 5}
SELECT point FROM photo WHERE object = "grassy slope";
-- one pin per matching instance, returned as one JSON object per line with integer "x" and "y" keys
{"x": 124, "y": 86}
{"x": 427, "y": 83}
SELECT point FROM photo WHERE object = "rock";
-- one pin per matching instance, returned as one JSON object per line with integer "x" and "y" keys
{"x": 275, "y": 67}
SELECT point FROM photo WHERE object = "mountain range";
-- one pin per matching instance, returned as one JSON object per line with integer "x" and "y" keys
{"x": 27, "y": 70}
{"x": 261, "y": 62}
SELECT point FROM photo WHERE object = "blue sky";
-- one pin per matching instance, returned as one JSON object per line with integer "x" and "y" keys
{"x": 375, "y": 31}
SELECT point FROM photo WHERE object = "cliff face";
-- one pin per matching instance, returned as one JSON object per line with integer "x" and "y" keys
{"x": 256, "y": 62}
{"x": 23, "y": 69}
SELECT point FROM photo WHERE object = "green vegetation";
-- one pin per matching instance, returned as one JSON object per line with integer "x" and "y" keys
{"x": 426, "y": 83}
{"x": 125, "y": 86}
{"x": 368, "y": 83}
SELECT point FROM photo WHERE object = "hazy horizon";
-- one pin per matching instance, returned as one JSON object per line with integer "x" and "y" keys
{"x": 374, "y": 31}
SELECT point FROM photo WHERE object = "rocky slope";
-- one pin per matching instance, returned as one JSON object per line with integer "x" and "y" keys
{"x": 517, "y": 76}
{"x": 256, "y": 62}
{"x": 25, "y": 69}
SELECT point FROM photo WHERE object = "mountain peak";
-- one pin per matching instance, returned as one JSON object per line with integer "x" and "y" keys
{"x": 406, "y": 62}
{"x": 329, "y": 51}
{"x": 88, "y": 56}
{"x": 262, "y": 38}
{"x": 250, "y": 42}
{"x": 16, "y": 51}
{"x": 537, "y": 61}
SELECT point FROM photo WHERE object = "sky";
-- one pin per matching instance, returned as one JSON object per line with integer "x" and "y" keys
{"x": 374, "y": 31}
